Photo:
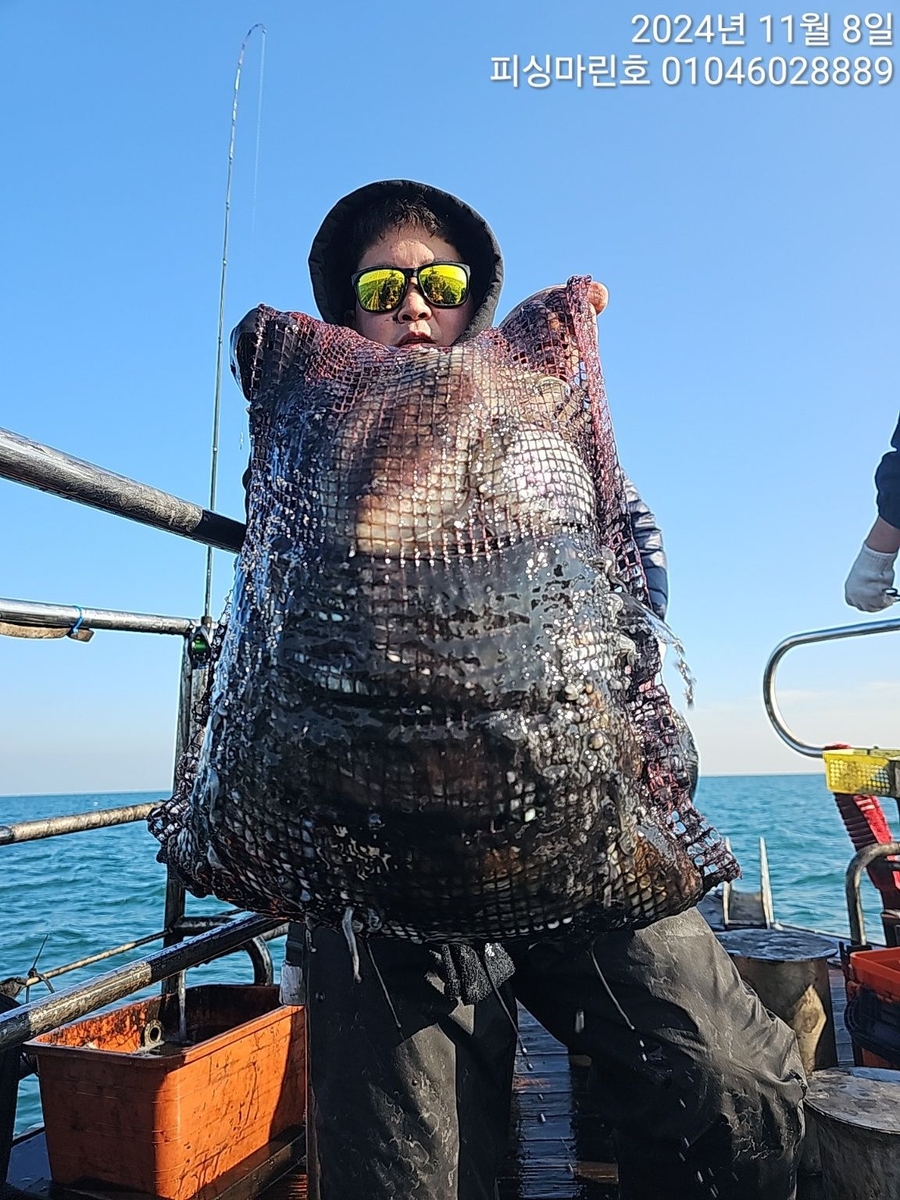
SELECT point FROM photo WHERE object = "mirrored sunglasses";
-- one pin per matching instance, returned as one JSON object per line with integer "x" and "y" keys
{"x": 381, "y": 289}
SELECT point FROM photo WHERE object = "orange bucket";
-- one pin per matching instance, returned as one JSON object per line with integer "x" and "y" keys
{"x": 879, "y": 970}
{"x": 125, "y": 1107}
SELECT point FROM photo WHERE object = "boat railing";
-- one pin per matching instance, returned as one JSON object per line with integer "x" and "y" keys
{"x": 41, "y": 1016}
{"x": 188, "y": 941}
{"x": 858, "y": 775}
{"x": 805, "y": 639}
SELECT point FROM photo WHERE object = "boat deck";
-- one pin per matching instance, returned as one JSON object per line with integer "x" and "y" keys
{"x": 559, "y": 1150}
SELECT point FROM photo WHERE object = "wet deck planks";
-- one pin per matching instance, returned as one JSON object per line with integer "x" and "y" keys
{"x": 558, "y": 1149}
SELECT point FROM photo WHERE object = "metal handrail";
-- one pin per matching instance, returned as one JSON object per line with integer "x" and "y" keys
{"x": 47, "y": 827}
{"x": 33, "y": 614}
{"x": 805, "y": 639}
{"x": 66, "y": 616}
{"x": 13, "y": 984}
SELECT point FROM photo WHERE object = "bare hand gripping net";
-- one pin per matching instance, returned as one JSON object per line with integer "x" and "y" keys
{"x": 437, "y": 702}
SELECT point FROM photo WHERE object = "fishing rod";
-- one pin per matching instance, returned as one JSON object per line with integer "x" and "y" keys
{"x": 220, "y": 336}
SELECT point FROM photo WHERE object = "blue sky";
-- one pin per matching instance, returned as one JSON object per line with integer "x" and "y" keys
{"x": 747, "y": 235}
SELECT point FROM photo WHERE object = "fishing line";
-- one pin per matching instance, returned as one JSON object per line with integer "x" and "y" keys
{"x": 259, "y": 100}
{"x": 609, "y": 992}
{"x": 33, "y": 971}
{"x": 217, "y": 395}
{"x": 522, "y": 1047}
{"x": 387, "y": 994}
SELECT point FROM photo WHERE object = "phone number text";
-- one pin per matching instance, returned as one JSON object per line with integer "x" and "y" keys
{"x": 796, "y": 71}
{"x": 632, "y": 70}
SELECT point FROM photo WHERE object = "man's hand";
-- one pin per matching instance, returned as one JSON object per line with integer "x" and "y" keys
{"x": 870, "y": 583}
{"x": 598, "y": 296}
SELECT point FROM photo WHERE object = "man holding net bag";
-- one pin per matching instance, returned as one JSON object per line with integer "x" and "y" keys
{"x": 412, "y": 1047}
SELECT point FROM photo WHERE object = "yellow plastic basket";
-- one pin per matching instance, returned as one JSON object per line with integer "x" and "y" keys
{"x": 874, "y": 772}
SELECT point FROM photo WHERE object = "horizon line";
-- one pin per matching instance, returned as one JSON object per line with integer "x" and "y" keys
{"x": 168, "y": 791}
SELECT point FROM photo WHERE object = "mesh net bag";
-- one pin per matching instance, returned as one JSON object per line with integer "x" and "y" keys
{"x": 436, "y": 709}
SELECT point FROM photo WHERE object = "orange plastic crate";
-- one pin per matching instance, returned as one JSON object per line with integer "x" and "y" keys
{"x": 879, "y": 970}
{"x": 170, "y": 1124}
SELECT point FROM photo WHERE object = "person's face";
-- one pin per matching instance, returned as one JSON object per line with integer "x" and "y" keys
{"x": 415, "y": 321}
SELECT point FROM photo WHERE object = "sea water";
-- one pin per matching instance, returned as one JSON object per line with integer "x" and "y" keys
{"x": 65, "y": 898}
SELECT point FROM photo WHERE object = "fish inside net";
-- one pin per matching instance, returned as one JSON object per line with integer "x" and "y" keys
{"x": 436, "y": 700}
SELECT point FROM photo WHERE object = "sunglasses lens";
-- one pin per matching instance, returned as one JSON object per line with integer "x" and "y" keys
{"x": 444, "y": 284}
{"x": 380, "y": 289}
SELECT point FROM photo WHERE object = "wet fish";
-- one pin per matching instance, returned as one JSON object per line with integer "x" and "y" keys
{"x": 436, "y": 709}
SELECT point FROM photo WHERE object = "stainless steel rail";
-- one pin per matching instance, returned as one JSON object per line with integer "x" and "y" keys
{"x": 187, "y": 927}
{"x": 805, "y": 639}
{"x": 49, "y": 470}
{"x": 32, "y": 980}
{"x": 66, "y": 616}
{"x": 46, "y": 827}
{"x": 858, "y": 864}
{"x": 40, "y": 1016}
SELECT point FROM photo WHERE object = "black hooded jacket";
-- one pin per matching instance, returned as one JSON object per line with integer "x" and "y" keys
{"x": 330, "y": 267}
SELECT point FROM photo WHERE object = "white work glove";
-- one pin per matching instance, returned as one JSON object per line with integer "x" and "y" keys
{"x": 871, "y": 581}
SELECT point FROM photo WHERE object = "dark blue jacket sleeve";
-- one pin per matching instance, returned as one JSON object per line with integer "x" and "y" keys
{"x": 887, "y": 483}
{"x": 648, "y": 537}
{"x": 245, "y": 480}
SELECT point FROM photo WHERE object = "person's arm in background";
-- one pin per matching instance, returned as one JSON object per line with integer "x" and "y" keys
{"x": 649, "y": 541}
{"x": 870, "y": 584}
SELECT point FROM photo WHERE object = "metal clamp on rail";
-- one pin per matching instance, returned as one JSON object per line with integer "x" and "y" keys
{"x": 805, "y": 639}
